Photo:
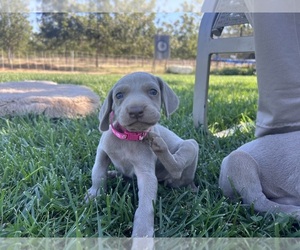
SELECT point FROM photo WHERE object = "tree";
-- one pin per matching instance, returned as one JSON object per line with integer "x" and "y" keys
{"x": 98, "y": 33}
{"x": 59, "y": 28}
{"x": 121, "y": 33}
{"x": 186, "y": 34}
{"x": 183, "y": 33}
{"x": 62, "y": 30}
{"x": 15, "y": 32}
{"x": 133, "y": 34}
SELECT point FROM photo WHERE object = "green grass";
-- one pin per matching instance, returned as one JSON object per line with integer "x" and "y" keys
{"x": 45, "y": 168}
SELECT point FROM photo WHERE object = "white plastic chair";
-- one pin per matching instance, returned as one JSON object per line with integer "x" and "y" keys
{"x": 212, "y": 24}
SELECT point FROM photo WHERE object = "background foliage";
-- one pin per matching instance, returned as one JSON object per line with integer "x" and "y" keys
{"x": 120, "y": 33}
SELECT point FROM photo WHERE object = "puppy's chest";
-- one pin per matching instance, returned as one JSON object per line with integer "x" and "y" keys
{"x": 128, "y": 156}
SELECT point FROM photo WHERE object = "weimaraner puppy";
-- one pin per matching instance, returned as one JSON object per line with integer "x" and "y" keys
{"x": 266, "y": 173}
{"x": 136, "y": 144}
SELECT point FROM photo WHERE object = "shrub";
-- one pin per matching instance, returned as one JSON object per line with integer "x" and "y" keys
{"x": 234, "y": 71}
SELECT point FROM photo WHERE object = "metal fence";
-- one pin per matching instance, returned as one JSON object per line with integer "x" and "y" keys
{"x": 82, "y": 61}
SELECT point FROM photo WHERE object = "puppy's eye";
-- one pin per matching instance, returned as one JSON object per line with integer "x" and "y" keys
{"x": 153, "y": 92}
{"x": 119, "y": 95}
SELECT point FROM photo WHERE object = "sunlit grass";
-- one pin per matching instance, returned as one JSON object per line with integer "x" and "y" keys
{"x": 45, "y": 168}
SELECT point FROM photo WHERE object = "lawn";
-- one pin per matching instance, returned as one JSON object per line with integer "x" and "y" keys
{"x": 45, "y": 168}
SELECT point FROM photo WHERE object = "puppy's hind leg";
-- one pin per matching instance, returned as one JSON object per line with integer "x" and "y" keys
{"x": 181, "y": 165}
{"x": 187, "y": 157}
{"x": 240, "y": 176}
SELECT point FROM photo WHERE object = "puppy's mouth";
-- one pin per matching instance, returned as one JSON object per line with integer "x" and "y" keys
{"x": 138, "y": 126}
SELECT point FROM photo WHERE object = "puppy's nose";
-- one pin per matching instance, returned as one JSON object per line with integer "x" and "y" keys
{"x": 136, "y": 111}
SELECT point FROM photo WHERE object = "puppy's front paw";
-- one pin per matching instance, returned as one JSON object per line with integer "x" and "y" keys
{"x": 91, "y": 194}
{"x": 158, "y": 145}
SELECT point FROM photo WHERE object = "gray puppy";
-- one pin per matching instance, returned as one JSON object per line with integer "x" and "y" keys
{"x": 266, "y": 173}
{"x": 136, "y": 144}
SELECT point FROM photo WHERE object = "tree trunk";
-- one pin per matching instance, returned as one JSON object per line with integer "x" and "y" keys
{"x": 97, "y": 57}
{"x": 10, "y": 56}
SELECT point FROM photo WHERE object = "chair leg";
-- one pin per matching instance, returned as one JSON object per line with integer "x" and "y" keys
{"x": 201, "y": 90}
{"x": 202, "y": 70}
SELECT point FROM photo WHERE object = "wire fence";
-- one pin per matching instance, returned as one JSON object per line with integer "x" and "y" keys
{"x": 82, "y": 61}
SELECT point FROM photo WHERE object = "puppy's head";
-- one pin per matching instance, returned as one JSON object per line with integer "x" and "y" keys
{"x": 136, "y": 100}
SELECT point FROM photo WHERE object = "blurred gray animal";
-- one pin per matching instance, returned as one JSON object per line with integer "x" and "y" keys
{"x": 136, "y": 145}
{"x": 266, "y": 173}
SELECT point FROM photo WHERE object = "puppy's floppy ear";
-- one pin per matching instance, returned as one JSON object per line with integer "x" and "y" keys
{"x": 169, "y": 99}
{"x": 105, "y": 110}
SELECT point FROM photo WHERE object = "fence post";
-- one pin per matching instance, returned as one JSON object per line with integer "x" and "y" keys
{"x": 20, "y": 67}
{"x": 27, "y": 60}
{"x": 50, "y": 58}
{"x": 72, "y": 60}
{"x": 2, "y": 58}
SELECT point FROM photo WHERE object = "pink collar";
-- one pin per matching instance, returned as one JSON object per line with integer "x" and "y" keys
{"x": 125, "y": 134}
